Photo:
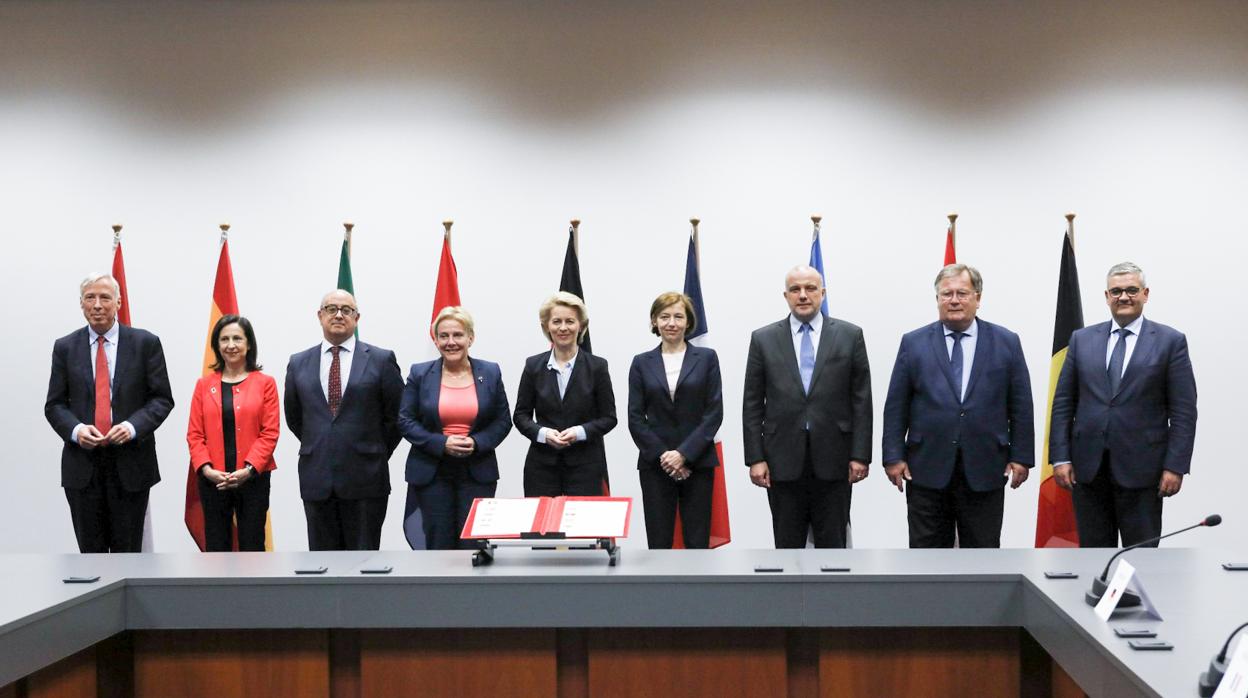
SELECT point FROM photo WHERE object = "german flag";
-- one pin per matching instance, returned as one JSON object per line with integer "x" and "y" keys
{"x": 1055, "y": 515}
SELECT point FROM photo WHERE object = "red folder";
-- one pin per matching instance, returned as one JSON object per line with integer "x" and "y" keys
{"x": 548, "y": 519}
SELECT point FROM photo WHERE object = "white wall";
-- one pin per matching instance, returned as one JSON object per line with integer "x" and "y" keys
{"x": 285, "y": 119}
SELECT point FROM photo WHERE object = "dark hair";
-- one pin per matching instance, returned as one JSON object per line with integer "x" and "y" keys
{"x": 672, "y": 298}
{"x": 249, "y": 333}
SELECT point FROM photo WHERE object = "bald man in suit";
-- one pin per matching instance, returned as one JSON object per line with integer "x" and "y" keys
{"x": 807, "y": 415}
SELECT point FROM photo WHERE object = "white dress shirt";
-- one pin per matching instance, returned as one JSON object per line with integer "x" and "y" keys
{"x": 110, "y": 354}
{"x": 344, "y": 363}
{"x": 672, "y": 364}
{"x": 816, "y": 331}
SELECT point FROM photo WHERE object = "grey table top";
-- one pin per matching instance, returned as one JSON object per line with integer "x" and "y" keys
{"x": 43, "y": 619}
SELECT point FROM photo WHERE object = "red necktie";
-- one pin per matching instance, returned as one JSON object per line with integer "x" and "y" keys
{"x": 103, "y": 397}
{"x": 335, "y": 382}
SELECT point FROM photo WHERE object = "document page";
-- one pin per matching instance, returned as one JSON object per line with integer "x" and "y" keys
{"x": 586, "y": 519}
{"x": 504, "y": 517}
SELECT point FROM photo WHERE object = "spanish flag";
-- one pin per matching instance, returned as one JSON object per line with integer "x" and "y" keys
{"x": 1055, "y": 515}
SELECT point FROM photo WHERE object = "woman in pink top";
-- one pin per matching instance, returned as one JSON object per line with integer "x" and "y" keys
{"x": 454, "y": 413}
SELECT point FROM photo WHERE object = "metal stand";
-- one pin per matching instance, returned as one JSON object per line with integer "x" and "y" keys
{"x": 485, "y": 556}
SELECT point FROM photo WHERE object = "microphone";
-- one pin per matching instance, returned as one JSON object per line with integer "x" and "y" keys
{"x": 1129, "y": 599}
{"x": 1209, "y": 680}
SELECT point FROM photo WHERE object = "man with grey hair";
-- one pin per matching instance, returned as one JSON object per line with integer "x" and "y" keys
{"x": 958, "y": 419}
{"x": 1124, "y": 418}
{"x": 807, "y": 415}
{"x": 108, "y": 393}
{"x": 342, "y": 403}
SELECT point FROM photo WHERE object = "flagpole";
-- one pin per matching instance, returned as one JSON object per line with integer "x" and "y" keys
{"x": 116, "y": 235}
{"x": 697, "y": 246}
{"x": 1070, "y": 229}
{"x": 815, "y": 233}
{"x": 953, "y": 229}
{"x": 576, "y": 236}
{"x": 446, "y": 224}
{"x": 225, "y": 232}
{"x": 346, "y": 235}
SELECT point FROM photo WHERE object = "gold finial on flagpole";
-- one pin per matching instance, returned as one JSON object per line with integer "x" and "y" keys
{"x": 815, "y": 233}
{"x": 1070, "y": 228}
{"x": 576, "y": 235}
{"x": 953, "y": 228}
{"x": 225, "y": 231}
{"x": 116, "y": 234}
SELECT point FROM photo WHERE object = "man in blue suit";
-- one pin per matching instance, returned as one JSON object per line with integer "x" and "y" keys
{"x": 958, "y": 419}
{"x": 1124, "y": 418}
{"x": 342, "y": 403}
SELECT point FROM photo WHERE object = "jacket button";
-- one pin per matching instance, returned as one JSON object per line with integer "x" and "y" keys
{"x": 961, "y": 414}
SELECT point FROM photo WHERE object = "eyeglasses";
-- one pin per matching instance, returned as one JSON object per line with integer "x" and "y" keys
{"x": 961, "y": 294}
{"x": 332, "y": 310}
{"x": 1129, "y": 292}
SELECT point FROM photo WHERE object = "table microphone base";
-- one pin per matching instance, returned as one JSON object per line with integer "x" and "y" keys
{"x": 1099, "y": 585}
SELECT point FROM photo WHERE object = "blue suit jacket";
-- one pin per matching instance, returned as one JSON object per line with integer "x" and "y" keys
{"x": 1148, "y": 426}
{"x": 140, "y": 395}
{"x": 347, "y": 455}
{"x": 925, "y": 424}
{"x": 687, "y": 424}
{"x": 421, "y": 425}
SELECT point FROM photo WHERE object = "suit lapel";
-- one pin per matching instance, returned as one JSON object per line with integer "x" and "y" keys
{"x": 940, "y": 354}
{"x": 784, "y": 338}
{"x": 827, "y": 335}
{"x": 548, "y": 380}
{"x": 653, "y": 363}
{"x": 358, "y": 365}
{"x": 482, "y": 389}
{"x": 692, "y": 358}
{"x": 1097, "y": 349}
{"x": 983, "y": 350}
{"x": 122, "y": 359}
{"x": 215, "y": 388}
{"x": 84, "y": 357}
{"x": 430, "y": 391}
{"x": 1145, "y": 344}
{"x": 579, "y": 377}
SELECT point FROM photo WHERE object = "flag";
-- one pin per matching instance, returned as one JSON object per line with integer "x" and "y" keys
{"x": 816, "y": 261}
{"x": 1055, "y": 514}
{"x": 344, "y": 269}
{"x": 570, "y": 281}
{"x": 445, "y": 294}
{"x": 951, "y": 256}
{"x": 721, "y": 533}
{"x": 123, "y": 316}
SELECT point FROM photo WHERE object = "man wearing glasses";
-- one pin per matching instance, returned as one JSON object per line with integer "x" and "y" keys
{"x": 342, "y": 403}
{"x": 958, "y": 420}
{"x": 1124, "y": 418}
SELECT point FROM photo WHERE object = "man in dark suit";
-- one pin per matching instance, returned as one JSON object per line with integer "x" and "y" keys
{"x": 958, "y": 419}
{"x": 342, "y": 403}
{"x": 1124, "y": 418}
{"x": 108, "y": 393}
{"x": 807, "y": 415}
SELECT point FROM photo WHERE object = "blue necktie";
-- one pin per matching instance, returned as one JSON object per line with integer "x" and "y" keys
{"x": 955, "y": 361}
{"x": 806, "y": 362}
{"x": 1116, "y": 360}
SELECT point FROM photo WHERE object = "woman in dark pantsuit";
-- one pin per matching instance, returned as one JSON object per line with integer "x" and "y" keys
{"x": 675, "y": 407}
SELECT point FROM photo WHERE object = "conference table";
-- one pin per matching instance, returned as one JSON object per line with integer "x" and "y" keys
{"x": 728, "y": 622}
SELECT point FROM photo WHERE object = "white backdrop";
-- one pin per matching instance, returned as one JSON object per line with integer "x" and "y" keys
{"x": 285, "y": 119}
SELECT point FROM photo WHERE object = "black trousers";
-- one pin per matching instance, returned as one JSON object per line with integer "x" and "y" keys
{"x": 660, "y": 497}
{"x": 584, "y": 480}
{"x": 934, "y": 514}
{"x": 1104, "y": 510}
{"x": 445, "y": 503}
{"x": 248, "y": 505}
{"x": 345, "y": 524}
{"x": 809, "y": 504}
{"x": 107, "y": 518}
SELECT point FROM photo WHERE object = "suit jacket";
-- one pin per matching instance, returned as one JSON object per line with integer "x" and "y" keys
{"x": 689, "y": 422}
{"x": 1148, "y": 426}
{"x": 926, "y": 422}
{"x": 588, "y": 402}
{"x": 257, "y": 423}
{"x": 420, "y": 423}
{"x": 776, "y": 409}
{"x": 140, "y": 395}
{"x": 347, "y": 455}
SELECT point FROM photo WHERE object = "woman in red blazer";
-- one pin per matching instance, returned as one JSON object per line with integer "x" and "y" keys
{"x": 232, "y": 433}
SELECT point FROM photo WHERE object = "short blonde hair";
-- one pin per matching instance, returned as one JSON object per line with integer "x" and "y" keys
{"x": 456, "y": 313}
{"x": 567, "y": 300}
{"x": 672, "y": 298}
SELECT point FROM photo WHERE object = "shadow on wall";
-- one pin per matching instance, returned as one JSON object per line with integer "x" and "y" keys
{"x": 187, "y": 64}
